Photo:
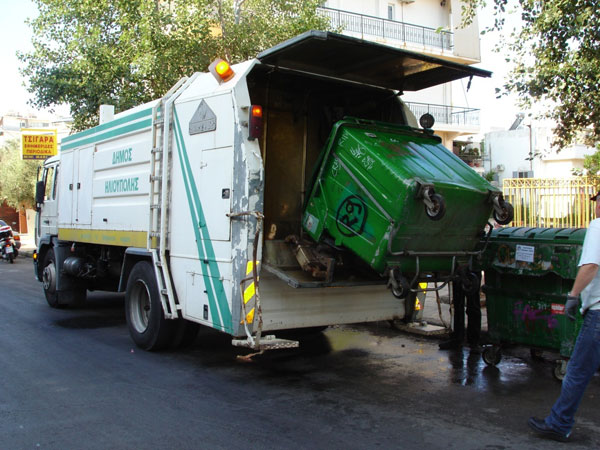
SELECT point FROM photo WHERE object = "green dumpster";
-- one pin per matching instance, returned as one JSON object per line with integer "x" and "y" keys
{"x": 398, "y": 199}
{"x": 528, "y": 273}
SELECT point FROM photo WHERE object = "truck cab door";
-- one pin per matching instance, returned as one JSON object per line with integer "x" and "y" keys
{"x": 48, "y": 214}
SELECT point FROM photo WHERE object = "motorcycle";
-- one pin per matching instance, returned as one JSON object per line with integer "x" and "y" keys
{"x": 8, "y": 249}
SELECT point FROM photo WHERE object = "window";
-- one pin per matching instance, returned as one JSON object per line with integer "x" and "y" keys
{"x": 49, "y": 194}
{"x": 391, "y": 11}
{"x": 523, "y": 174}
{"x": 55, "y": 183}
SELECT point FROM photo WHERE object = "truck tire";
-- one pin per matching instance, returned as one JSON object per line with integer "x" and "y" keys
{"x": 49, "y": 280}
{"x": 58, "y": 299}
{"x": 143, "y": 309}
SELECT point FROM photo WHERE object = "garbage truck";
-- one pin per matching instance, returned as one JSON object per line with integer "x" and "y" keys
{"x": 289, "y": 191}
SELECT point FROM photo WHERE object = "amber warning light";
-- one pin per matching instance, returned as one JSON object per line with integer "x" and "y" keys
{"x": 221, "y": 70}
{"x": 255, "y": 124}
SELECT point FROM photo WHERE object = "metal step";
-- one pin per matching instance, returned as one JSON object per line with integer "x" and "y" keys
{"x": 269, "y": 342}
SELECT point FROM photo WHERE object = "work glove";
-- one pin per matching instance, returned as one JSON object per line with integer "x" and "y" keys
{"x": 571, "y": 306}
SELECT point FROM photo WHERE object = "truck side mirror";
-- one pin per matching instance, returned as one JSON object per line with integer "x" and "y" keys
{"x": 40, "y": 190}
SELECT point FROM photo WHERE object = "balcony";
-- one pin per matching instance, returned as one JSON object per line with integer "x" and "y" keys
{"x": 447, "y": 115}
{"x": 369, "y": 27}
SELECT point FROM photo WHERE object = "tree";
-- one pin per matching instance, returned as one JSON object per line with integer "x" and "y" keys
{"x": 17, "y": 177}
{"x": 591, "y": 164}
{"x": 554, "y": 56}
{"x": 127, "y": 52}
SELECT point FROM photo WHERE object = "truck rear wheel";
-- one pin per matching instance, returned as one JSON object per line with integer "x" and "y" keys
{"x": 143, "y": 309}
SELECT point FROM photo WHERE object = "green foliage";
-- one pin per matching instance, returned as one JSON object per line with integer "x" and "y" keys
{"x": 591, "y": 163}
{"x": 554, "y": 57}
{"x": 127, "y": 52}
{"x": 17, "y": 177}
{"x": 490, "y": 176}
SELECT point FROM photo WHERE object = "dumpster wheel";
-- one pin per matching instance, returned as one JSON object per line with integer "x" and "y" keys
{"x": 503, "y": 212}
{"x": 398, "y": 284}
{"x": 560, "y": 369}
{"x": 492, "y": 355}
{"x": 435, "y": 207}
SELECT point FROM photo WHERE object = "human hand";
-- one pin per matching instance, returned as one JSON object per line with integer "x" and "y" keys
{"x": 571, "y": 306}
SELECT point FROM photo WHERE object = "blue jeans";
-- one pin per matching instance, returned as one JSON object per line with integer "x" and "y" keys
{"x": 584, "y": 362}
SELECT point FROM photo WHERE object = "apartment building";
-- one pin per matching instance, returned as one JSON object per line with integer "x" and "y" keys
{"x": 12, "y": 122}
{"x": 430, "y": 27}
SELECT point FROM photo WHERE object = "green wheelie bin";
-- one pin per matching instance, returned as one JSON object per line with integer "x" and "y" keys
{"x": 401, "y": 201}
{"x": 528, "y": 273}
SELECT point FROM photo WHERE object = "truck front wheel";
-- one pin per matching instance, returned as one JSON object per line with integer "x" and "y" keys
{"x": 143, "y": 309}
{"x": 59, "y": 299}
{"x": 49, "y": 279}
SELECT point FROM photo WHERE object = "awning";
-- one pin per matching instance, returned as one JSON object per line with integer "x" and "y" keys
{"x": 346, "y": 58}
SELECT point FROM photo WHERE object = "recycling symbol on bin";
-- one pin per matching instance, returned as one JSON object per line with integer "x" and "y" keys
{"x": 351, "y": 216}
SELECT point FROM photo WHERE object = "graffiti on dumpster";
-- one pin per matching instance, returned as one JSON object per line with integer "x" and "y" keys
{"x": 351, "y": 216}
{"x": 504, "y": 254}
{"x": 526, "y": 313}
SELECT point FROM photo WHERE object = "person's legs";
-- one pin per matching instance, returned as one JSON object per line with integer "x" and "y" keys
{"x": 584, "y": 362}
{"x": 458, "y": 300}
{"x": 457, "y": 335}
{"x": 474, "y": 316}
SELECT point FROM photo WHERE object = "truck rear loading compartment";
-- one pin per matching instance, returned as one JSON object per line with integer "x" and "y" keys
{"x": 341, "y": 57}
{"x": 307, "y": 84}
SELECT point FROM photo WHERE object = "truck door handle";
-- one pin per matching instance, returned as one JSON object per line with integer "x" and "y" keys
{"x": 78, "y": 185}
{"x": 47, "y": 222}
{"x": 71, "y": 186}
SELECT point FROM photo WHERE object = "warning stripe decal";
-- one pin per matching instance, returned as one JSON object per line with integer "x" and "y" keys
{"x": 249, "y": 293}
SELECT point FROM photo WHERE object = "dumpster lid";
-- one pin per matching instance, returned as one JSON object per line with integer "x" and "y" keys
{"x": 347, "y": 58}
{"x": 531, "y": 234}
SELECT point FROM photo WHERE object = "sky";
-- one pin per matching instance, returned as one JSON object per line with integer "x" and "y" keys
{"x": 496, "y": 114}
{"x": 15, "y": 36}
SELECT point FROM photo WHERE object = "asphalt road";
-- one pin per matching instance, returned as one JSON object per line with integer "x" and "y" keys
{"x": 72, "y": 379}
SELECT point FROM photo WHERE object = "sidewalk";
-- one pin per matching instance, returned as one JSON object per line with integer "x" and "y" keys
{"x": 27, "y": 245}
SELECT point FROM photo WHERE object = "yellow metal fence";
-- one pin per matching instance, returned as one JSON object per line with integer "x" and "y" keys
{"x": 551, "y": 202}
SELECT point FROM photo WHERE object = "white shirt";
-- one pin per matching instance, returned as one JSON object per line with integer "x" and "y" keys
{"x": 590, "y": 296}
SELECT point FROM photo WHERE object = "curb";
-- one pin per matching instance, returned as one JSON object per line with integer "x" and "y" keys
{"x": 28, "y": 253}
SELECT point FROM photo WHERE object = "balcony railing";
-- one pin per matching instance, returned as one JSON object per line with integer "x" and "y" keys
{"x": 449, "y": 115}
{"x": 388, "y": 29}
